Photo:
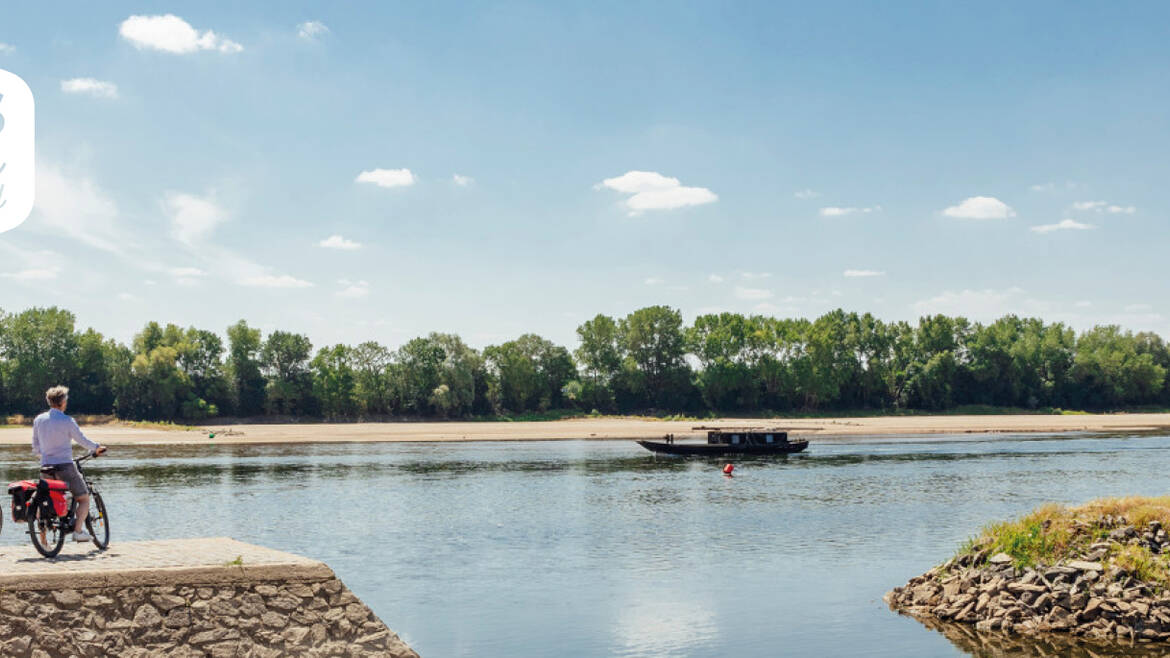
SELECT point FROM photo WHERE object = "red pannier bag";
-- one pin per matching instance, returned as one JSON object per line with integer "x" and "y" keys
{"x": 22, "y": 493}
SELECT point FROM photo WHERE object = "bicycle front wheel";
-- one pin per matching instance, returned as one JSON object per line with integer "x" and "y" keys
{"x": 45, "y": 529}
{"x": 98, "y": 524}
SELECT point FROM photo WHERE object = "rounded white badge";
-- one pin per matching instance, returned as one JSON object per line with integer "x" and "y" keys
{"x": 17, "y": 152}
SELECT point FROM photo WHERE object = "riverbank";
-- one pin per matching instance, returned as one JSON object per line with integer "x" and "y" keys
{"x": 1098, "y": 571}
{"x": 191, "y": 597}
{"x": 601, "y": 429}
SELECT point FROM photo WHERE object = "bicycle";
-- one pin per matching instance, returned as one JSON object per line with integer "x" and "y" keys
{"x": 51, "y": 516}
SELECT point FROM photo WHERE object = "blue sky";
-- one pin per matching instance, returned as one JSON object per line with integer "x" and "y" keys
{"x": 788, "y": 159}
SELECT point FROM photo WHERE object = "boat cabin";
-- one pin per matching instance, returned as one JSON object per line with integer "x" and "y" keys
{"x": 746, "y": 436}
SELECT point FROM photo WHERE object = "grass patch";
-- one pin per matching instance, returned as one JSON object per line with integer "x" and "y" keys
{"x": 1052, "y": 533}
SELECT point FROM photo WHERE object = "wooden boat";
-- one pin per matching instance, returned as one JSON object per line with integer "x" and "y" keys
{"x": 731, "y": 441}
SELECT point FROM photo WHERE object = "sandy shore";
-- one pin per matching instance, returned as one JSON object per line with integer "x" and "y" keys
{"x": 603, "y": 428}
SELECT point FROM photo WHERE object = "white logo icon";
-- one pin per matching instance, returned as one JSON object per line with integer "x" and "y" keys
{"x": 17, "y": 166}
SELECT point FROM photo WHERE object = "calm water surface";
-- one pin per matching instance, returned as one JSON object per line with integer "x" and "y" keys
{"x": 600, "y": 549}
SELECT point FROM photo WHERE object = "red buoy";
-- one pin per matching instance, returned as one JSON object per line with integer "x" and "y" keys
{"x": 728, "y": 469}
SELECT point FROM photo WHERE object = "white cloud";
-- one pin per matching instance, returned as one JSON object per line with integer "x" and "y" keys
{"x": 1138, "y": 308}
{"x": 1105, "y": 207}
{"x": 6, "y": 48}
{"x": 806, "y": 194}
{"x": 980, "y": 207}
{"x": 192, "y": 217}
{"x": 751, "y": 276}
{"x": 187, "y": 272}
{"x": 338, "y": 242}
{"x": 462, "y": 181}
{"x": 171, "y": 34}
{"x": 715, "y": 278}
{"x": 33, "y": 274}
{"x": 127, "y": 297}
{"x": 863, "y": 273}
{"x": 835, "y": 211}
{"x": 652, "y": 191}
{"x": 97, "y": 88}
{"x": 387, "y": 177}
{"x": 752, "y": 294}
{"x": 985, "y": 305}
{"x": 310, "y": 30}
{"x": 274, "y": 281}
{"x": 653, "y": 281}
{"x": 74, "y": 206}
{"x": 1062, "y": 225}
{"x": 353, "y": 289}
{"x": 1083, "y": 304}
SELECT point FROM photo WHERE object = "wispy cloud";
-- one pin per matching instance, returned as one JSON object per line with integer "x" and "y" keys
{"x": 387, "y": 177}
{"x": 1062, "y": 225}
{"x": 1104, "y": 207}
{"x": 753, "y": 276}
{"x": 353, "y": 289}
{"x": 6, "y": 48}
{"x": 33, "y": 274}
{"x": 752, "y": 294}
{"x": 310, "y": 30}
{"x": 462, "y": 181}
{"x": 980, "y": 207}
{"x": 274, "y": 281}
{"x": 653, "y": 281}
{"x": 806, "y": 194}
{"x": 338, "y": 242}
{"x": 1138, "y": 308}
{"x": 651, "y": 190}
{"x": 170, "y": 34}
{"x": 863, "y": 273}
{"x": 193, "y": 217}
{"x": 90, "y": 86}
{"x": 837, "y": 211}
{"x": 984, "y": 305}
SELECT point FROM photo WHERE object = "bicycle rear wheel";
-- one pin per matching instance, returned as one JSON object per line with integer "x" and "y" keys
{"x": 45, "y": 529}
{"x": 98, "y": 524}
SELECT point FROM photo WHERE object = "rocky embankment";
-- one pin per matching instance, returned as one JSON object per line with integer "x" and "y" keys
{"x": 190, "y": 598}
{"x": 1098, "y": 577}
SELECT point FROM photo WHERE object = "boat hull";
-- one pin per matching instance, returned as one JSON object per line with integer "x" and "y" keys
{"x": 717, "y": 449}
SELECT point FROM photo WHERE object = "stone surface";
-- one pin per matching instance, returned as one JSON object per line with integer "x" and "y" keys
{"x": 1081, "y": 598}
{"x": 182, "y": 598}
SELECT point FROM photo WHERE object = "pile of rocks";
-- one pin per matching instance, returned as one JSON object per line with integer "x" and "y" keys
{"x": 320, "y": 618}
{"x": 1084, "y": 595}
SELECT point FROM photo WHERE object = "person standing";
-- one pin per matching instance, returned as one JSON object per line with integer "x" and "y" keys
{"x": 52, "y": 441}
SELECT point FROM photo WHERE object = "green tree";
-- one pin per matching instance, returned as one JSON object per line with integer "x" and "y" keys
{"x": 39, "y": 349}
{"x": 284, "y": 360}
{"x": 243, "y": 368}
{"x": 334, "y": 382}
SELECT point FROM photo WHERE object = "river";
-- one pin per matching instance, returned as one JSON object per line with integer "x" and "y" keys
{"x": 601, "y": 549}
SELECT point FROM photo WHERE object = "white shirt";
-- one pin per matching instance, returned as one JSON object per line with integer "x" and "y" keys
{"x": 53, "y": 434}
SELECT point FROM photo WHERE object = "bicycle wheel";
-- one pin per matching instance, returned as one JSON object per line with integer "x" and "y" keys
{"x": 98, "y": 524}
{"x": 44, "y": 528}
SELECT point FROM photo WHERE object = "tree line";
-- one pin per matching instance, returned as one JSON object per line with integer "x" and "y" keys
{"x": 647, "y": 361}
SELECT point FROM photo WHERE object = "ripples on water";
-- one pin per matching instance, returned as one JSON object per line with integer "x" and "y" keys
{"x": 599, "y": 548}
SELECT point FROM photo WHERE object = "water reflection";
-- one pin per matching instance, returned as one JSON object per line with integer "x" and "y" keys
{"x": 526, "y": 549}
{"x": 1001, "y": 645}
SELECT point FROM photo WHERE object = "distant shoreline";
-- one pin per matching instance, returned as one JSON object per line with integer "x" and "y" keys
{"x": 601, "y": 429}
